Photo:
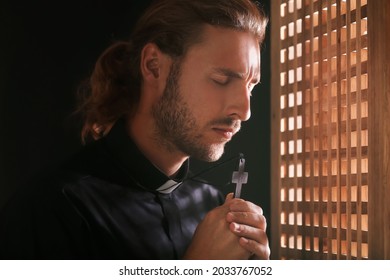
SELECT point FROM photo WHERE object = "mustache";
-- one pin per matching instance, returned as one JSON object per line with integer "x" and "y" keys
{"x": 230, "y": 122}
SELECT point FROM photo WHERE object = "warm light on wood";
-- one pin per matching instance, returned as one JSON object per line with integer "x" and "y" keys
{"x": 323, "y": 131}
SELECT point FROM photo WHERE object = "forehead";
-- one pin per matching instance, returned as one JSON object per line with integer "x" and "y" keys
{"x": 226, "y": 48}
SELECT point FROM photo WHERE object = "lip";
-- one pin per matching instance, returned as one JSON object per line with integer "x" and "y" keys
{"x": 226, "y": 133}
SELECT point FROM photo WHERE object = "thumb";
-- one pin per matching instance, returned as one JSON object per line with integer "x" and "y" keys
{"x": 229, "y": 196}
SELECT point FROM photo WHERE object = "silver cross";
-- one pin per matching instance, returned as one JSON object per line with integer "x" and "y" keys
{"x": 239, "y": 177}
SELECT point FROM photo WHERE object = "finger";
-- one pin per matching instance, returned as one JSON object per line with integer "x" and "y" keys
{"x": 259, "y": 251}
{"x": 252, "y": 239}
{"x": 229, "y": 197}
{"x": 247, "y": 218}
{"x": 248, "y": 232}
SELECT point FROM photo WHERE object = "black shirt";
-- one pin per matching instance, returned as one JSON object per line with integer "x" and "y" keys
{"x": 105, "y": 203}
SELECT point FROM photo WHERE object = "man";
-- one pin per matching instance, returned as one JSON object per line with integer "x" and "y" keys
{"x": 179, "y": 88}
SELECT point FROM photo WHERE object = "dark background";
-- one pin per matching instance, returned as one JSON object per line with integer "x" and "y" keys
{"x": 47, "y": 48}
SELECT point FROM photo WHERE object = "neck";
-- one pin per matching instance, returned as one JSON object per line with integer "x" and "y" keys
{"x": 168, "y": 161}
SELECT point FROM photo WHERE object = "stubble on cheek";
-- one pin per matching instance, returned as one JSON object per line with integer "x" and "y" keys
{"x": 177, "y": 129}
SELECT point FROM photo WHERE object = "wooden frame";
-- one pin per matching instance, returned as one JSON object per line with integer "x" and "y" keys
{"x": 331, "y": 173}
{"x": 379, "y": 135}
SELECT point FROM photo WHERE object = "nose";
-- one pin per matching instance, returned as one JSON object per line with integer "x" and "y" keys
{"x": 240, "y": 105}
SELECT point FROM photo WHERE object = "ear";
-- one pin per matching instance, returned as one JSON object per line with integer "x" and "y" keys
{"x": 151, "y": 62}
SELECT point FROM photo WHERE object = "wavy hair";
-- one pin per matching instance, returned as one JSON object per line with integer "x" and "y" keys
{"x": 113, "y": 90}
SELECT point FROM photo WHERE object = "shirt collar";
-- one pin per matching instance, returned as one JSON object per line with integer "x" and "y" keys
{"x": 136, "y": 165}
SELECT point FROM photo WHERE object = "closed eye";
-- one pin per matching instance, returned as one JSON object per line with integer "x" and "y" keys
{"x": 221, "y": 81}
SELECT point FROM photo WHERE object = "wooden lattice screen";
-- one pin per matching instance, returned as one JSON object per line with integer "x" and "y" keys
{"x": 322, "y": 182}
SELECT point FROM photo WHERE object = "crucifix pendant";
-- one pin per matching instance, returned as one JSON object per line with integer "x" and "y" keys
{"x": 239, "y": 177}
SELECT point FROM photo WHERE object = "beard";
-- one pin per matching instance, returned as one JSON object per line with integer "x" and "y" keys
{"x": 176, "y": 128}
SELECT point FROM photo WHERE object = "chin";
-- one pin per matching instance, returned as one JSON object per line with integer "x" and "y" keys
{"x": 206, "y": 152}
{"x": 215, "y": 153}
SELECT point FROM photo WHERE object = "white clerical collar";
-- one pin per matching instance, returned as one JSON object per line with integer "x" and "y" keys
{"x": 168, "y": 187}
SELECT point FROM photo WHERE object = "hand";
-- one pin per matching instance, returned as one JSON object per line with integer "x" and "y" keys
{"x": 248, "y": 223}
{"x": 214, "y": 240}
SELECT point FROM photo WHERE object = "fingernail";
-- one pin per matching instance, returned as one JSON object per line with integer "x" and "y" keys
{"x": 236, "y": 227}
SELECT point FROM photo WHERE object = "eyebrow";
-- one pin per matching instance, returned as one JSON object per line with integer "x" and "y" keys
{"x": 234, "y": 74}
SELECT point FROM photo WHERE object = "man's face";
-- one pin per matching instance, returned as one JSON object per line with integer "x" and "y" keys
{"x": 207, "y": 94}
